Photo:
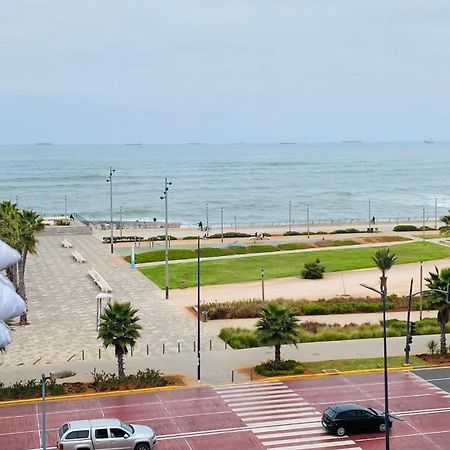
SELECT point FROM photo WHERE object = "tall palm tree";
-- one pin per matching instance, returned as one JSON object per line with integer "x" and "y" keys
{"x": 119, "y": 327}
{"x": 446, "y": 228}
{"x": 9, "y": 232}
{"x": 384, "y": 260}
{"x": 30, "y": 224}
{"x": 439, "y": 280}
{"x": 277, "y": 326}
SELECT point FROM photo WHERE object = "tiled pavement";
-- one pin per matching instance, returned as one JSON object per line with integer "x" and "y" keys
{"x": 62, "y": 306}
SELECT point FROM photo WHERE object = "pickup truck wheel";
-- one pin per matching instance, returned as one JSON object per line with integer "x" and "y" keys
{"x": 142, "y": 446}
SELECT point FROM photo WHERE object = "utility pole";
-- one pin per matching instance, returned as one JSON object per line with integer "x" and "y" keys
{"x": 164, "y": 197}
{"x": 111, "y": 224}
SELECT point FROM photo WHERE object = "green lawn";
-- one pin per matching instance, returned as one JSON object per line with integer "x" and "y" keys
{"x": 235, "y": 270}
{"x": 358, "y": 364}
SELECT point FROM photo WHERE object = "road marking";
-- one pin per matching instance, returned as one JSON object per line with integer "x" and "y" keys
{"x": 254, "y": 408}
{"x": 259, "y": 397}
{"x": 251, "y": 393}
{"x": 290, "y": 433}
{"x": 279, "y": 410}
{"x": 281, "y": 416}
{"x": 260, "y": 402}
{"x": 325, "y": 437}
{"x": 311, "y": 446}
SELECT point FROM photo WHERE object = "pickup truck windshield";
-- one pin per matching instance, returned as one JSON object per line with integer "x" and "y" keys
{"x": 62, "y": 430}
{"x": 128, "y": 428}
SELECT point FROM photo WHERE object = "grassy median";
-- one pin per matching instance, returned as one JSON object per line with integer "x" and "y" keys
{"x": 236, "y": 270}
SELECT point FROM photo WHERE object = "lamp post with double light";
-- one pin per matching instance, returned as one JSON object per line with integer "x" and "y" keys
{"x": 164, "y": 197}
{"x": 111, "y": 224}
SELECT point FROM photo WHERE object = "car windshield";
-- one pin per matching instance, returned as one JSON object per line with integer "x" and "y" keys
{"x": 62, "y": 430}
{"x": 127, "y": 427}
{"x": 330, "y": 412}
{"x": 376, "y": 412}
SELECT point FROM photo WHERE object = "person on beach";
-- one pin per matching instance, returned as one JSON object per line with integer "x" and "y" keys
{"x": 200, "y": 225}
{"x": 373, "y": 220}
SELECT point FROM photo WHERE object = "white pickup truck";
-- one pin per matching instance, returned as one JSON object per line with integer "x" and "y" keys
{"x": 105, "y": 434}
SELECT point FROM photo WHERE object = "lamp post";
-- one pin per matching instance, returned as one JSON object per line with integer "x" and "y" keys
{"x": 290, "y": 216}
{"x": 198, "y": 309}
{"x": 421, "y": 290}
{"x": 435, "y": 213}
{"x": 109, "y": 180}
{"x": 65, "y": 206}
{"x": 370, "y": 218}
{"x": 382, "y": 292}
{"x": 262, "y": 285}
{"x": 207, "y": 221}
{"x": 51, "y": 377}
{"x": 121, "y": 221}
{"x": 235, "y": 224}
{"x": 17, "y": 201}
{"x": 221, "y": 224}
{"x": 164, "y": 197}
{"x": 307, "y": 219}
{"x": 423, "y": 224}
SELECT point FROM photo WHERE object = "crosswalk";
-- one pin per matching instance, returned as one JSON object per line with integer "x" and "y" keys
{"x": 280, "y": 418}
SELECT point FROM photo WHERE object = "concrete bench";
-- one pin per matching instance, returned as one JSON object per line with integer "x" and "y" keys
{"x": 66, "y": 244}
{"x": 78, "y": 257}
{"x": 99, "y": 281}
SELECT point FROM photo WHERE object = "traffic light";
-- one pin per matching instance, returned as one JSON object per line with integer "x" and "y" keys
{"x": 412, "y": 328}
{"x": 409, "y": 339}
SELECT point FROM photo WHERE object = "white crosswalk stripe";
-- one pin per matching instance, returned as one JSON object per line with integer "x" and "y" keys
{"x": 280, "y": 418}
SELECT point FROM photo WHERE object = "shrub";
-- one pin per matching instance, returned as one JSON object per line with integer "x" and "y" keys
{"x": 293, "y": 246}
{"x": 262, "y": 248}
{"x": 432, "y": 347}
{"x": 347, "y": 230}
{"x": 239, "y": 338}
{"x": 186, "y": 238}
{"x": 315, "y": 309}
{"x": 230, "y": 234}
{"x": 162, "y": 237}
{"x": 313, "y": 270}
{"x": 273, "y": 368}
{"x": 110, "y": 381}
{"x": 292, "y": 233}
{"x": 406, "y": 228}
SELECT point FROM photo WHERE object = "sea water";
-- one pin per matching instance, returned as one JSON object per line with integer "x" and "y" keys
{"x": 253, "y": 183}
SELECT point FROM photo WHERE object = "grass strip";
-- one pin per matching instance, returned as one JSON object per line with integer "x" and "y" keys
{"x": 344, "y": 365}
{"x": 236, "y": 270}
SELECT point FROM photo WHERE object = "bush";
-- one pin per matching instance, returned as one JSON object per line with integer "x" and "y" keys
{"x": 406, "y": 228}
{"x": 273, "y": 368}
{"x": 432, "y": 347}
{"x": 230, "y": 234}
{"x": 28, "y": 389}
{"x": 313, "y": 270}
{"x": 294, "y": 246}
{"x": 262, "y": 248}
{"x": 162, "y": 237}
{"x": 292, "y": 233}
{"x": 110, "y": 381}
{"x": 347, "y": 230}
{"x": 239, "y": 338}
{"x": 186, "y": 238}
{"x": 315, "y": 309}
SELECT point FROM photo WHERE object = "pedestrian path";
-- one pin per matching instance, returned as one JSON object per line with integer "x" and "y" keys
{"x": 280, "y": 418}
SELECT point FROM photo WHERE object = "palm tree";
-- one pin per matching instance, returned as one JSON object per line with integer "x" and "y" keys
{"x": 384, "y": 261}
{"x": 446, "y": 228}
{"x": 118, "y": 326}
{"x": 439, "y": 281}
{"x": 277, "y": 326}
{"x": 30, "y": 224}
{"x": 9, "y": 231}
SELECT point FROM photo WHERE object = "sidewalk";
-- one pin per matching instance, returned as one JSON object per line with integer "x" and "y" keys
{"x": 217, "y": 366}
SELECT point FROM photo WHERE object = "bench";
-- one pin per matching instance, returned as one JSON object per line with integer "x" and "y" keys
{"x": 66, "y": 244}
{"x": 78, "y": 257}
{"x": 99, "y": 281}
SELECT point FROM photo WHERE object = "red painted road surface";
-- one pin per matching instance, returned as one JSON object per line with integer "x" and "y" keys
{"x": 275, "y": 415}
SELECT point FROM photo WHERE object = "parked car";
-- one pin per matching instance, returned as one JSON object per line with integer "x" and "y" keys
{"x": 344, "y": 418}
{"x": 105, "y": 434}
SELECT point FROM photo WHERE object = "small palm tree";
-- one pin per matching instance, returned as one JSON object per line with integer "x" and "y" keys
{"x": 446, "y": 228}
{"x": 277, "y": 326}
{"x": 384, "y": 260}
{"x": 119, "y": 327}
{"x": 439, "y": 280}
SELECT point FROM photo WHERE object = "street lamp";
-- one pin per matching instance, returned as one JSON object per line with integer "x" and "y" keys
{"x": 262, "y": 284}
{"x": 65, "y": 206}
{"x": 207, "y": 221}
{"x": 383, "y": 294}
{"x": 290, "y": 216}
{"x": 52, "y": 377}
{"x": 164, "y": 197}
{"x": 435, "y": 213}
{"x": 423, "y": 224}
{"x": 221, "y": 224}
{"x": 370, "y": 218}
{"x": 198, "y": 308}
{"x": 109, "y": 180}
{"x": 121, "y": 219}
{"x": 307, "y": 219}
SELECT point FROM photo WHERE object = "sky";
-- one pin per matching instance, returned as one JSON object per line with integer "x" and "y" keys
{"x": 176, "y": 71}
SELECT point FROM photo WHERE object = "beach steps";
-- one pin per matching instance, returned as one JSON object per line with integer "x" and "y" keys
{"x": 99, "y": 281}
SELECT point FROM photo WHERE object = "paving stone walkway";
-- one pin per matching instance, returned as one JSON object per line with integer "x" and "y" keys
{"x": 63, "y": 307}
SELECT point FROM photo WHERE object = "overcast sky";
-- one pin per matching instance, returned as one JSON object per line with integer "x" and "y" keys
{"x": 97, "y": 71}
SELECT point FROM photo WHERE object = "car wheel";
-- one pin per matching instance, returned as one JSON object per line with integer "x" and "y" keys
{"x": 142, "y": 446}
{"x": 340, "y": 431}
{"x": 382, "y": 427}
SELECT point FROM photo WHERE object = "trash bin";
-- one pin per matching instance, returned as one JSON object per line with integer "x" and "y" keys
{"x": 205, "y": 316}
{"x": 182, "y": 285}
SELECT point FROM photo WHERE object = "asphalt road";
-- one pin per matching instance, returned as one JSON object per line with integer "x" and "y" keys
{"x": 439, "y": 377}
{"x": 275, "y": 415}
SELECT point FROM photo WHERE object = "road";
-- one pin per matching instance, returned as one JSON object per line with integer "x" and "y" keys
{"x": 275, "y": 415}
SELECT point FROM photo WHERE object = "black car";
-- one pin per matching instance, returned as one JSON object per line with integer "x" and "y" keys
{"x": 344, "y": 418}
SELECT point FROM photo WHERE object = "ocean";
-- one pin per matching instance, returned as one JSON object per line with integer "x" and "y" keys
{"x": 253, "y": 183}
